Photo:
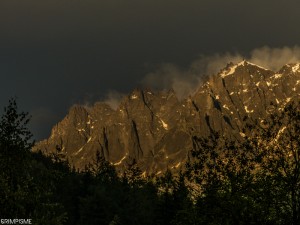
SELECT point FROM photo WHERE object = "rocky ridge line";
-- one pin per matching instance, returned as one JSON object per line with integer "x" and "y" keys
{"x": 158, "y": 130}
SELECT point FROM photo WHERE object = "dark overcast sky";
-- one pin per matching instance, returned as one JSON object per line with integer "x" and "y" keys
{"x": 55, "y": 53}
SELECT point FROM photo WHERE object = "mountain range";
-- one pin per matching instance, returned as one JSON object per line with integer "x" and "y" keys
{"x": 157, "y": 130}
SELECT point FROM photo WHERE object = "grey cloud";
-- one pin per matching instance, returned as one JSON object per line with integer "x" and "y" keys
{"x": 275, "y": 58}
{"x": 186, "y": 81}
{"x": 113, "y": 99}
{"x": 170, "y": 76}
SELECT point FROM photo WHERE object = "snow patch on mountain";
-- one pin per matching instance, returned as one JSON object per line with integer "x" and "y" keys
{"x": 134, "y": 96}
{"x": 231, "y": 70}
{"x": 121, "y": 160}
{"x": 164, "y": 124}
{"x": 296, "y": 68}
{"x": 279, "y": 133}
{"x": 252, "y": 64}
{"x": 247, "y": 110}
{"x": 225, "y": 107}
{"x": 228, "y": 72}
{"x": 277, "y": 76}
{"x": 76, "y": 153}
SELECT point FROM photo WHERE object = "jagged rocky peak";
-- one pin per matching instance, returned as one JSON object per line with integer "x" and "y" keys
{"x": 101, "y": 106}
{"x": 137, "y": 94}
{"x": 290, "y": 68}
{"x": 76, "y": 115}
{"x": 136, "y": 99}
{"x": 159, "y": 130}
{"x": 242, "y": 66}
{"x": 77, "y": 111}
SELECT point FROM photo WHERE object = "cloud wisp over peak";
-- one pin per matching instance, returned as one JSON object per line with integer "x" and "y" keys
{"x": 186, "y": 81}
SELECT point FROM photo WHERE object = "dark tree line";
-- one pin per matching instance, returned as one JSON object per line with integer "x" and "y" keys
{"x": 27, "y": 187}
{"x": 251, "y": 181}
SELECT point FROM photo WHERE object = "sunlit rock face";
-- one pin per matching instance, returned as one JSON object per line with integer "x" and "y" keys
{"x": 158, "y": 130}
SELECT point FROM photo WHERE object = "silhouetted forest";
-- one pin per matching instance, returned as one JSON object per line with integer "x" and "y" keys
{"x": 251, "y": 180}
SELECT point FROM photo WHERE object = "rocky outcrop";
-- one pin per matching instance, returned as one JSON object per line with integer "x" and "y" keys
{"x": 157, "y": 129}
